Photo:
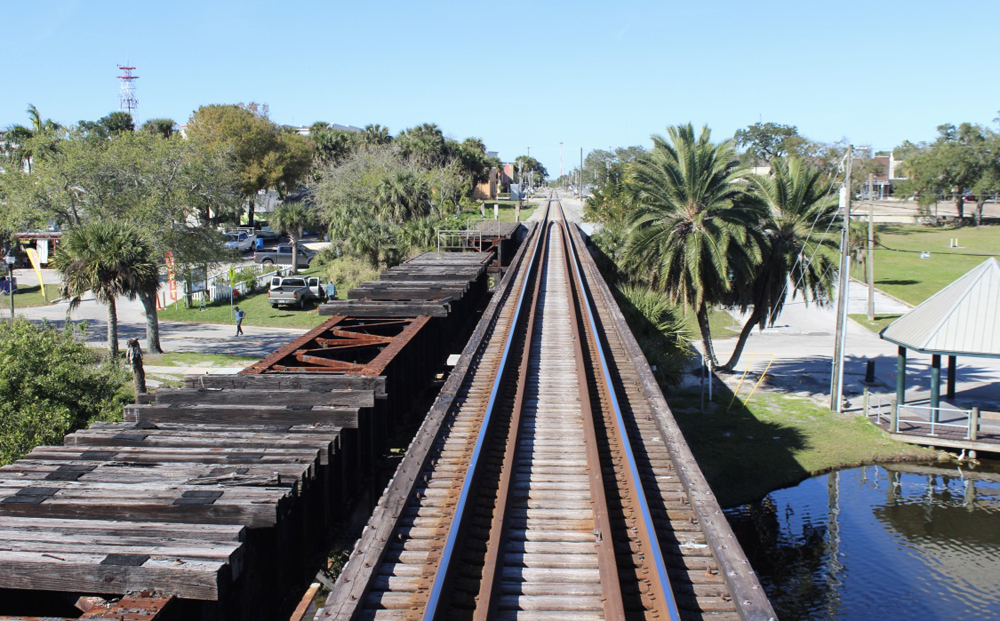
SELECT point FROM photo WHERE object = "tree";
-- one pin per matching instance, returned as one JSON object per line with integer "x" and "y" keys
{"x": 471, "y": 158}
{"x": 799, "y": 208}
{"x": 375, "y": 134}
{"x": 21, "y": 144}
{"x": 962, "y": 158}
{"x": 51, "y": 384}
{"x": 659, "y": 328}
{"x": 424, "y": 145}
{"x": 264, "y": 157}
{"x": 604, "y": 167}
{"x": 111, "y": 258}
{"x": 117, "y": 123}
{"x": 162, "y": 127}
{"x": 694, "y": 229}
{"x": 293, "y": 219}
{"x": 528, "y": 165}
{"x": 767, "y": 141}
{"x": 333, "y": 146}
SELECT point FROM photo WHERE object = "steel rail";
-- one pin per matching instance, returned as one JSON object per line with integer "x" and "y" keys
{"x": 663, "y": 595}
{"x": 434, "y": 600}
{"x": 614, "y": 607}
{"x": 492, "y": 568}
{"x": 610, "y": 582}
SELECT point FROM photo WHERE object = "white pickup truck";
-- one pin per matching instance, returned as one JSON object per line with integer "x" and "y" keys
{"x": 294, "y": 291}
{"x": 240, "y": 240}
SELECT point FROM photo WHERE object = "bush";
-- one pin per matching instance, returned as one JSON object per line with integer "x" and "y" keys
{"x": 348, "y": 273}
{"x": 50, "y": 385}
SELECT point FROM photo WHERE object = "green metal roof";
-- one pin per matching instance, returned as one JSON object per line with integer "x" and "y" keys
{"x": 961, "y": 319}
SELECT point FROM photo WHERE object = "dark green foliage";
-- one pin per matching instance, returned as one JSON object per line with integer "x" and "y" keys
{"x": 50, "y": 385}
{"x": 660, "y": 330}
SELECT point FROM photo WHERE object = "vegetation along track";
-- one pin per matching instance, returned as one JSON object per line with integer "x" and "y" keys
{"x": 546, "y": 490}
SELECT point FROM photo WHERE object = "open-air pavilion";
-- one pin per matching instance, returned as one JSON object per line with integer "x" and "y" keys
{"x": 963, "y": 319}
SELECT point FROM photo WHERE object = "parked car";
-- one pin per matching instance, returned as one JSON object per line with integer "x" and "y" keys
{"x": 969, "y": 198}
{"x": 282, "y": 255}
{"x": 294, "y": 291}
{"x": 239, "y": 240}
{"x": 266, "y": 233}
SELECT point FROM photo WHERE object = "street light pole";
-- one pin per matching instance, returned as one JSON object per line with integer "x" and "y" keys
{"x": 560, "y": 164}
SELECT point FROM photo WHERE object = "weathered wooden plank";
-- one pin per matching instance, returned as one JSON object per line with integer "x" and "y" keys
{"x": 156, "y": 455}
{"x": 99, "y": 573}
{"x": 384, "y": 309}
{"x": 402, "y": 295}
{"x": 275, "y": 396}
{"x": 452, "y": 285}
{"x": 339, "y": 417}
{"x": 298, "y": 381}
{"x": 209, "y": 533}
{"x": 232, "y": 440}
{"x": 68, "y": 467}
{"x": 254, "y": 516}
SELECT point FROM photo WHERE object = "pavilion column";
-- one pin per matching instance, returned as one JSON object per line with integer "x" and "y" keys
{"x": 951, "y": 377}
{"x": 901, "y": 376}
{"x": 935, "y": 386}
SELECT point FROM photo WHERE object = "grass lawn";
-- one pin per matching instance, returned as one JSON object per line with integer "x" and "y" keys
{"x": 912, "y": 279}
{"x": 193, "y": 359}
{"x": 720, "y": 323}
{"x": 29, "y": 296}
{"x": 881, "y": 321}
{"x": 777, "y": 441}
{"x": 508, "y": 210}
{"x": 258, "y": 310}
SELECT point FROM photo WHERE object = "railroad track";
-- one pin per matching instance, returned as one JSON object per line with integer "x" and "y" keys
{"x": 542, "y": 487}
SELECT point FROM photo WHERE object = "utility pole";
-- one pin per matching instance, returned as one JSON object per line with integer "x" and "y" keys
{"x": 837, "y": 372}
{"x": 871, "y": 247}
{"x": 579, "y": 190}
{"x": 560, "y": 163}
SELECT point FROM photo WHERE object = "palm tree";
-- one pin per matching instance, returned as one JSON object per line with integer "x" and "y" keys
{"x": 800, "y": 208}
{"x": 401, "y": 196}
{"x": 695, "y": 228}
{"x": 112, "y": 259}
{"x": 659, "y": 328}
{"x": 18, "y": 138}
{"x": 375, "y": 134}
{"x": 293, "y": 219}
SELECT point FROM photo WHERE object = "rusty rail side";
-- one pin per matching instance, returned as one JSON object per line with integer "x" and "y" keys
{"x": 751, "y": 601}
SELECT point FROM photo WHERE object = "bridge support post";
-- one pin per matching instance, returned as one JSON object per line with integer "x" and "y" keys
{"x": 951, "y": 377}
{"x": 935, "y": 387}
{"x": 974, "y": 425}
{"x": 901, "y": 376}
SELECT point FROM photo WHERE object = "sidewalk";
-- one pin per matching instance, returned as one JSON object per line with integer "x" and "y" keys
{"x": 802, "y": 344}
{"x": 208, "y": 338}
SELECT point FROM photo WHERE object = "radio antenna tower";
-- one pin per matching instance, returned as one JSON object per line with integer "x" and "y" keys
{"x": 126, "y": 93}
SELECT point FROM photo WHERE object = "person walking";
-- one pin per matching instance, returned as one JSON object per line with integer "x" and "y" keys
{"x": 240, "y": 314}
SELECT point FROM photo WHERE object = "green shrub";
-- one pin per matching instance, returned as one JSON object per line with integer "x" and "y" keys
{"x": 347, "y": 273}
{"x": 52, "y": 384}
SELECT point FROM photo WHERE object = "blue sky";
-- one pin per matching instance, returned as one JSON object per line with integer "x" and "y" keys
{"x": 520, "y": 74}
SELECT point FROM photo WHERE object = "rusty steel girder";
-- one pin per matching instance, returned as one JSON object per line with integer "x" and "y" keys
{"x": 345, "y": 345}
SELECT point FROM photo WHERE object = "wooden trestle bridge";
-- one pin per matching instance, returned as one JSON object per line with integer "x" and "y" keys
{"x": 548, "y": 480}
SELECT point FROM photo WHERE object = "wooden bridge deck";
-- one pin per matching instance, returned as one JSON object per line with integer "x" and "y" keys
{"x": 228, "y": 490}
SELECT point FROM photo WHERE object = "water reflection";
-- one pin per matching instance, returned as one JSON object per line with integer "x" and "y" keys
{"x": 895, "y": 542}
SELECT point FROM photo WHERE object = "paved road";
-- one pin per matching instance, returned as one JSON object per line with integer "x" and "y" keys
{"x": 174, "y": 336}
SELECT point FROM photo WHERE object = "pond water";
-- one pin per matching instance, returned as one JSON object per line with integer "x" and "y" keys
{"x": 901, "y": 541}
